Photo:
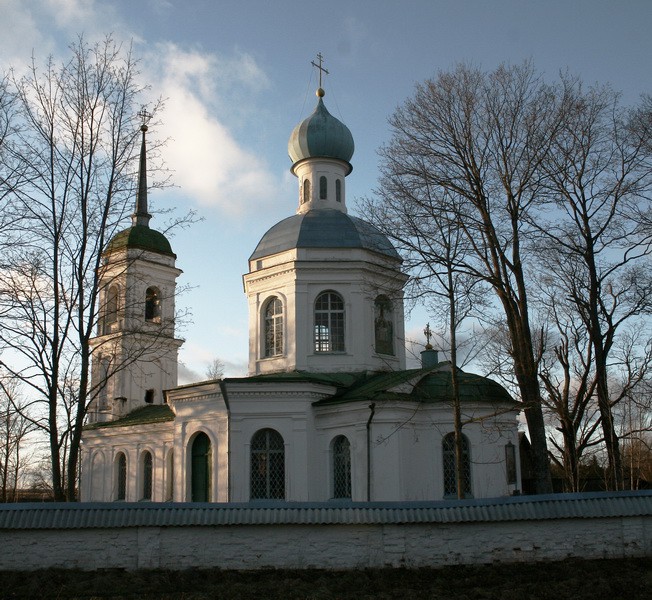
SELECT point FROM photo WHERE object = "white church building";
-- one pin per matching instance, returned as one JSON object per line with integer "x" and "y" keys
{"x": 328, "y": 412}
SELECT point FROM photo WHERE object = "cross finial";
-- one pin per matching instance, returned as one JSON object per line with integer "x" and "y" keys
{"x": 319, "y": 66}
{"x": 428, "y": 333}
{"x": 144, "y": 118}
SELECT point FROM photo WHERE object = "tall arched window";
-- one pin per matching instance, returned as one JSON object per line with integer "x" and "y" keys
{"x": 306, "y": 191}
{"x": 338, "y": 190}
{"x": 341, "y": 456}
{"x": 384, "y": 325}
{"x": 273, "y": 327}
{"x": 147, "y": 475}
{"x": 200, "y": 469}
{"x": 121, "y": 476}
{"x": 153, "y": 305}
{"x": 450, "y": 478}
{"x": 111, "y": 308}
{"x": 329, "y": 323}
{"x": 323, "y": 188}
{"x": 267, "y": 466}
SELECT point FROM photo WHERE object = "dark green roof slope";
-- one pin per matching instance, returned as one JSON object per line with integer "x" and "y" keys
{"x": 154, "y": 413}
{"x": 142, "y": 238}
{"x": 432, "y": 385}
{"x": 437, "y": 386}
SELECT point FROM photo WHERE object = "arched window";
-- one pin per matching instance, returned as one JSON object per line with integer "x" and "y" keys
{"x": 121, "y": 476}
{"x": 450, "y": 478}
{"x": 338, "y": 190}
{"x": 329, "y": 323}
{"x": 103, "y": 381}
{"x": 200, "y": 469}
{"x": 273, "y": 327}
{"x": 267, "y": 466}
{"x": 153, "y": 305}
{"x": 306, "y": 191}
{"x": 341, "y": 455}
{"x": 111, "y": 308}
{"x": 147, "y": 476}
{"x": 323, "y": 188}
{"x": 384, "y": 325}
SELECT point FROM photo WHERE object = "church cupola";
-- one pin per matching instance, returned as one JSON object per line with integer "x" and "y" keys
{"x": 321, "y": 148}
{"x": 325, "y": 288}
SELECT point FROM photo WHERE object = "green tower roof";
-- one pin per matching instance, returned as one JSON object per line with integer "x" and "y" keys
{"x": 140, "y": 237}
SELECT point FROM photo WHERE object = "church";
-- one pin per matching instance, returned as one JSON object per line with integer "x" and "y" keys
{"x": 328, "y": 411}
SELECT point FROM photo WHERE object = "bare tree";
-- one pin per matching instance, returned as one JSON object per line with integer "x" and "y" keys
{"x": 67, "y": 177}
{"x": 435, "y": 254}
{"x": 597, "y": 245}
{"x": 215, "y": 369}
{"x": 481, "y": 138}
{"x": 568, "y": 376}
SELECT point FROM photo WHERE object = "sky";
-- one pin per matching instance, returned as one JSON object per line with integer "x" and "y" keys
{"x": 236, "y": 78}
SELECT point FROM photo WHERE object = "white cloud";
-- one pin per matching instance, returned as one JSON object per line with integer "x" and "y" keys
{"x": 209, "y": 164}
{"x": 210, "y": 98}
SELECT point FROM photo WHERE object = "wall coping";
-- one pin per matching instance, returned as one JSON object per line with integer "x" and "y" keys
{"x": 94, "y": 515}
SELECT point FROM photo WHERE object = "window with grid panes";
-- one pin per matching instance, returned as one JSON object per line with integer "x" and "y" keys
{"x": 341, "y": 467}
{"x": 450, "y": 478}
{"x": 329, "y": 323}
{"x": 147, "y": 476}
{"x": 273, "y": 327}
{"x": 267, "y": 466}
{"x": 121, "y": 476}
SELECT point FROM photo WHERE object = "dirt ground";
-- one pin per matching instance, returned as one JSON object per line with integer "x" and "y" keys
{"x": 575, "y": 579}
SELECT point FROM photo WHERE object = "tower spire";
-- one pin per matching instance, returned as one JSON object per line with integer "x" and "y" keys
{"x": 141, "y": 216}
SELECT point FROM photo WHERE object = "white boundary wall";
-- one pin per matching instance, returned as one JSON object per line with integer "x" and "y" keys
{"x": 313, "y": 538}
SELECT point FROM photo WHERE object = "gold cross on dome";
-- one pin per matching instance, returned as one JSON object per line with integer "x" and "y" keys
{"x": 319, "y": 66}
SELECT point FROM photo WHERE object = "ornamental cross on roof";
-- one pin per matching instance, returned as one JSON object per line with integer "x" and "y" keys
{"x": 428, "y": 333}
{"x": 320, "y": 58}
{"x": 144, "y": 118}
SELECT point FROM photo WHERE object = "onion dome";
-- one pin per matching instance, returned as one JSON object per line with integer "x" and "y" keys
{"x": 139, "y": 235}
{"x": 321, "y": 135}
{"x": 323, "y": 229}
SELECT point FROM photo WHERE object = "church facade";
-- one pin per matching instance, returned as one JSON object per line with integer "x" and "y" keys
{"x": 328, "y": 412}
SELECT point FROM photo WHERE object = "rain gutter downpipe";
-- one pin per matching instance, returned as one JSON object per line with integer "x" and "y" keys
{"x": 372, "y": 408}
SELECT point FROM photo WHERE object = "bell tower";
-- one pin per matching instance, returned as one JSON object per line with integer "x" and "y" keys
{"x": 135, "y": 351}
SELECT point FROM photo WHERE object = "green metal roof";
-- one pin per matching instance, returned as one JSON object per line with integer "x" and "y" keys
{"x": 140, "y": 237}
{"x": 433, "y": 385}
{"x": 153, "y": 413}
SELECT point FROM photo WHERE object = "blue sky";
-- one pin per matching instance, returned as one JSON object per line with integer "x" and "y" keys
{"x": 237, "y": 78}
